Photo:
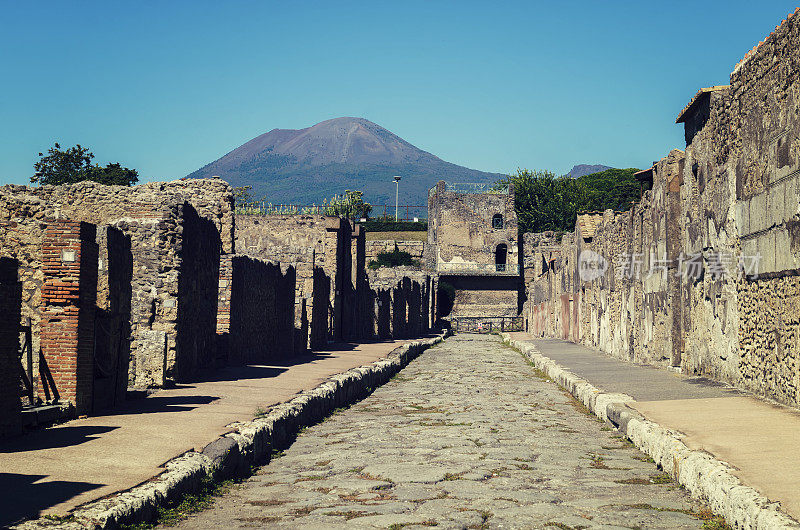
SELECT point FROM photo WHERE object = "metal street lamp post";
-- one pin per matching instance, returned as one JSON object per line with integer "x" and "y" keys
{"x": 396, "y": 197}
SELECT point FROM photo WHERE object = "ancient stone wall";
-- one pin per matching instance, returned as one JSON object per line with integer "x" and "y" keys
{"x": 261, "y": 312}
{"x": 321, "y": 250}
{"x": 467, "y": 228}
{"x": 415, "y": 248}
{"x": 112, "y": 346}
{"x": 473, "y": 247}
{"x": 765, "y": 160}
{"x": 196, "y": 299}
{"x": 401, "y": 301}
{"x": 720, "y": 251}
{"x": 153, "y": 216}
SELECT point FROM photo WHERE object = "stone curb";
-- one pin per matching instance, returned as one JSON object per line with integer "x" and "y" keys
{"x": 250, "y": 443}
{"x": 701, "y": 474}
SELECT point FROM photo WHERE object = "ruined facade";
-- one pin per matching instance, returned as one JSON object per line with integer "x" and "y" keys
{"x": 702, "y": 273}
{"x": 132, "y": 288}
{"x": 473, "y": 249}
{"x": 320, "y": 249}
{"x": 177, "y": 231}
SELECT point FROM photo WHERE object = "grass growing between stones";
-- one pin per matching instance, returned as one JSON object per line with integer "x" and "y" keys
{"x": 173, "y": 512}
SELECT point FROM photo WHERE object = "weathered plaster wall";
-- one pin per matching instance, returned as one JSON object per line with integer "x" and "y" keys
{"x": 460, "y": 227}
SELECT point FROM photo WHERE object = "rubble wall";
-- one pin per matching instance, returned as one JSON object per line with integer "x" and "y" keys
{"x": 152, "y": 215}
{"x": 375, "y": 247}
{"x": 303, "y": 242}
{"x": 261, "y": 312}
{"x": 400, "y": 298}
{"x": 765, "y": 162}
{"x": 727, "y": 209}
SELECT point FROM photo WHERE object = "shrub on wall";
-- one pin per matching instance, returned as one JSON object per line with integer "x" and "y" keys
{"x": 395, "y": 258}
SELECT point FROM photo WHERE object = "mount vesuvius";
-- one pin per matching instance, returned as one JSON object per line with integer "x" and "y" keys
{"x": 305, "y": 166}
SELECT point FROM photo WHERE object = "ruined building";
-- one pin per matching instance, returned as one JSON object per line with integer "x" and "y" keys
{"x": 701, "y": 275}
{"x": 105, "y": 289}
{"x": 472, "y": 248}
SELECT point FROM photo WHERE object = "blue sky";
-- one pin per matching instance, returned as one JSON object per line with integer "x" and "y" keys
{"x": 166, "y": 87}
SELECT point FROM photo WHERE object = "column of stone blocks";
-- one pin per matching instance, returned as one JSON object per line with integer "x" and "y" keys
{"x": 224, "y": 306}
{"x": 69, "y": 296}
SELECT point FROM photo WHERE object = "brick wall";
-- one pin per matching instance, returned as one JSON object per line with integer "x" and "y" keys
{"x": 69, "y": 295}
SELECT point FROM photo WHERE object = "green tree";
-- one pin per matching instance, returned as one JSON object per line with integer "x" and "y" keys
{"x": 243, "y": 196}
{"x": 614, "y": 189}
{"x": 350, "y": 205}
{"x": 544, "y": 201}
{"x": 75, "y": 165}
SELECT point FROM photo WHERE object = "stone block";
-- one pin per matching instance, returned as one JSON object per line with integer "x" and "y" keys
{"x": 785, "y": 259}
{"x": 775, "y": 204}
{"x": 766, "y": 249}
{"x": 758, "y": 213}
{"x": 742, "y": 215}
{"x": 749, "y": 248}
{"x": 791, "y": 205}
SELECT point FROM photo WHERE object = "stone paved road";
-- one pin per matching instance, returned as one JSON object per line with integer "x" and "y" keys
{"x": 467, "y": 436}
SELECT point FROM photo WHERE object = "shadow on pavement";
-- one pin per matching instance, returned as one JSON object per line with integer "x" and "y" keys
{"x": 50, "y": 438}
{"x": 24, "y": 498}
{"x": 161, "y": 403}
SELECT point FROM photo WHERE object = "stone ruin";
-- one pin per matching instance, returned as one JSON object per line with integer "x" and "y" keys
{"x": 473, "y": 249}
{"x": 727, "y": 208}
{"x": 144, "y": 287}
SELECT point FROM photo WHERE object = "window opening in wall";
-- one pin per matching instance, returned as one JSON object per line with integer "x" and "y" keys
{"x": 497, "y": 221}
{"x": 500, "y": 257}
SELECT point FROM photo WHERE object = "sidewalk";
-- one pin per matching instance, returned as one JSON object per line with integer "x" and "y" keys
{"x": 761, "y": 441}
{"x": 53, "y": 470}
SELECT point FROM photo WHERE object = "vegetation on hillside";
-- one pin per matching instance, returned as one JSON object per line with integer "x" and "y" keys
{"x": 547, "y": 202}
{"x": 74, "y": 164}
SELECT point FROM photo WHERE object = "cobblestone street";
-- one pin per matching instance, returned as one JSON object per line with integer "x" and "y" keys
{"x": 467, "y": 436}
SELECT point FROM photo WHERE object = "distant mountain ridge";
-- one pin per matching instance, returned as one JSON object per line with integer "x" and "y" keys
{"x": 580, "y": 170}
{"x": 305, "y": 166}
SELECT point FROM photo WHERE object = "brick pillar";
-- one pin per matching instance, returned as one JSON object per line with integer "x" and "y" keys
{"x": 10, "y": 307}
{"x": 69, "y": 298}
